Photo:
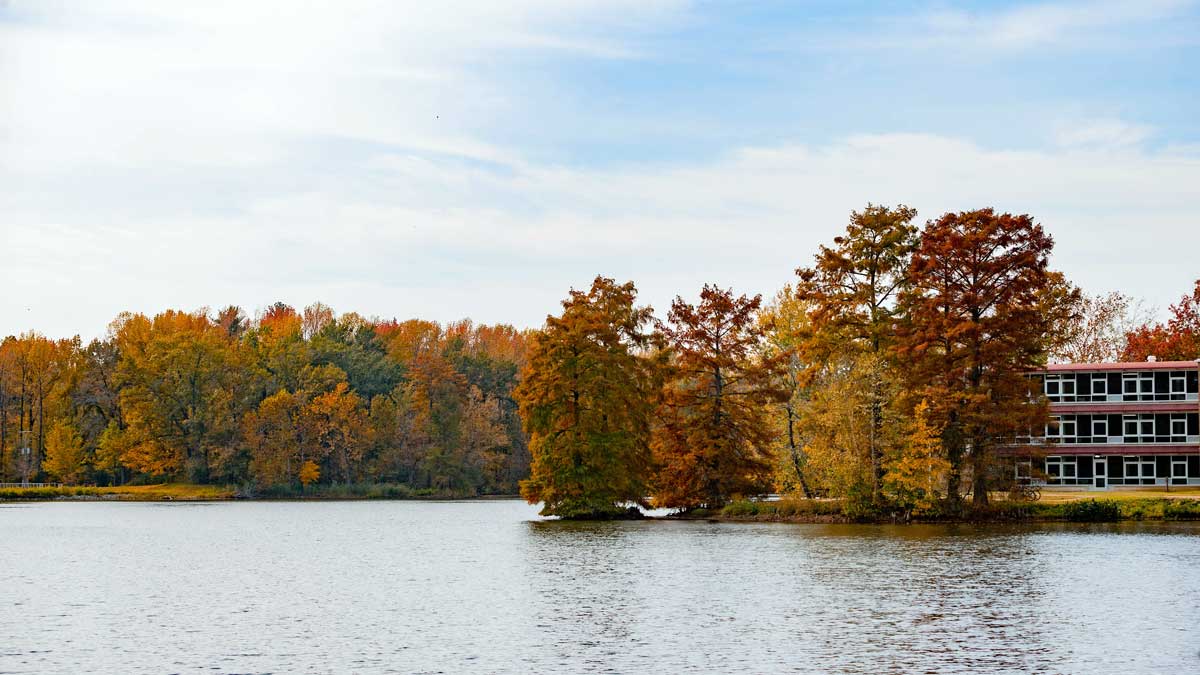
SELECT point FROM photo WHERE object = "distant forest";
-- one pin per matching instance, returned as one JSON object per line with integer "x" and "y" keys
{"x": 288, "y": 398}
{"x": 887, "y": 373}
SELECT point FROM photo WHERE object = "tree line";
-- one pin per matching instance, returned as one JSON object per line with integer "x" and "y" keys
{"x": 286, "y": 400}
{"x": 888, "y": 374}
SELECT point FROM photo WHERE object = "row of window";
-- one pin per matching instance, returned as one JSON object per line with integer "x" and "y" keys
{"x": 1124, "y": 428}
{"x": 1104, "y": 471}
{"x": 1174, "y": 385}
{"x": 1140, "y": 428}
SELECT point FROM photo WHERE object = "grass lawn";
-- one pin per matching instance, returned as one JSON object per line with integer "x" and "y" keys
{"x": 183, "y": 491}
{"x": 1058, "y": 497}
{"x": 148, "y": 493}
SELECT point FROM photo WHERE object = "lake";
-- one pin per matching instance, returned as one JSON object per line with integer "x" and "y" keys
{"x": 487, "y": 586}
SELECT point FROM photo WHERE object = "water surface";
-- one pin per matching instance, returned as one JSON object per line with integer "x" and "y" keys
{"x": 463, "y": 587}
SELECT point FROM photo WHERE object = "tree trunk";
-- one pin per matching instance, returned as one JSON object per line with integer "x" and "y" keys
{"x": 796, "y": 453}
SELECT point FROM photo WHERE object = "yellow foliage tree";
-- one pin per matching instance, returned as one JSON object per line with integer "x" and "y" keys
{"x": 65, "y": 455}
{"x": 309, "y": 473}
{"x": 916, "y": 471}
{"x": 335, "y": 427}
{"x": 273, "y": 435}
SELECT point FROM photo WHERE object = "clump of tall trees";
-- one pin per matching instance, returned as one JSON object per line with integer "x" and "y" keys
{"x": 891, "y": 375}
{"x": 282, "y": 402}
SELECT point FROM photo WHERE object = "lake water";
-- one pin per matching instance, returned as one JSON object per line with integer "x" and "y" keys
{"x": 466, "y": 587}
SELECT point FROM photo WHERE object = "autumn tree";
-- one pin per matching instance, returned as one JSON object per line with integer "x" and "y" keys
{"x": 94, "y": 400}
{"x": 176, "y": 393}
{"x": 279, "y": 349}
{"x": 1096, "y": 328}
{"x": 274, "y": 435}
{"x": 785, "y": 325}
{"x": 835, "y": 426}
{"x": 976, "y": 322}
{"x": 713, "y": 440}
{"x": 315, "y": 318}
{"x": 65, "y": 454}
{"x": 587, "y": 398}
{"x": 397, "y": 449}
{"x": 335, "y": 428}
{"x": 351, "y": 343}
{"x": 1176, "y": 340}
{"x": 8, "y": 389}
{"x": 852, "y": 290}
{"x": 916, "y": 469}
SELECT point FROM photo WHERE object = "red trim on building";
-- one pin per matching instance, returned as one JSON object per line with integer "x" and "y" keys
{"x": 1102, "y": 450}
{"x": 1119, "y": 407}
{"x": 1132, "y": 365}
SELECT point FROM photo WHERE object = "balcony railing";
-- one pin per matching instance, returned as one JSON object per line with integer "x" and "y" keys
{"x": 1108, "y": 440}
{"x": 1124, "y": 398}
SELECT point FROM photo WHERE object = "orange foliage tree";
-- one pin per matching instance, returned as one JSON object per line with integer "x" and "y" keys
{"x": 1176, "y": 340}
{"x": 976, "y": 322}
{"x": 713, "y": 440}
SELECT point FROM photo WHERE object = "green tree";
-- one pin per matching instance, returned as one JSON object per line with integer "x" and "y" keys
{"x": 586, "y": 398}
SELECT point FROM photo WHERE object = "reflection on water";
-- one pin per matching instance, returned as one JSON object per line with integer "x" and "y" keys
{"x": 488, "y": 587}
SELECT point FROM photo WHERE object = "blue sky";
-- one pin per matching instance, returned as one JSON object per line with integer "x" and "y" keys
{"x": 404, "y": 159}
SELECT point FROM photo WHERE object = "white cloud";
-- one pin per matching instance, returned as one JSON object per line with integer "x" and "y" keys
{"x": 129, "y": 83}
{"x": 505, "y": 243}
{"x": 1102, "y": 132}
{"x": 1055, "y": 24}
{"x": 247, "y": 152}
{"x": 1046, "y": 23}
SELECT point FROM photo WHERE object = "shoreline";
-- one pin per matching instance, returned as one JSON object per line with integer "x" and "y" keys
{"x": 183, "y": 492}
{"x": 1092, "y": 509}
{"x": 1161, "y": 507}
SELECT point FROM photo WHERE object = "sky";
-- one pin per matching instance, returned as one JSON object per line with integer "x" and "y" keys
{"x": 479, "y": 159}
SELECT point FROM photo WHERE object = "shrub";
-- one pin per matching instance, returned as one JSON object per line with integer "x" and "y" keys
{"x": 1181, "y": 509}
{"x": 1092, "y": 511}
{"x": 740, "y": 509}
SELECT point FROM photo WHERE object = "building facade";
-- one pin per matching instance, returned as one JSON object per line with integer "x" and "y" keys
{"x": 1116, "y": 425}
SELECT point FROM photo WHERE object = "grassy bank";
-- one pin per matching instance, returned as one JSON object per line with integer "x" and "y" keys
{"x": 190, "y": 492}
{"x": 1077, "y": 509}
{"x": 159, "y": 492}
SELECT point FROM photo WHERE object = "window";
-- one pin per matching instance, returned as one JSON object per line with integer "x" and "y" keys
{"x": 1146, "y": 427}
{"x": 1147, "y": 470}
{"x": 1068, "y": 387}
{"x": 1179, "y": 471}
{"x": 1061, "y": 470}
{"x": 1053, "y": 469}
{"x": 1146, "y": 386}
{"x": 1178, "y": 386}
{"x": 1139, "y": 470}
{"x": 1099, "y": 387}
{"x": 1131, "y": 467}
{"x": 1062, "y": 428}
{"x": 1052, "y": 387}
{"x": 1131, "y": 428}
{"x": 1067, "y": 427}
{"x": 1129, "y": 384}
{"x": 1024, "y": 470}
{"x": 1100, "y": 429}
{"x": 1178, "y": 427}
